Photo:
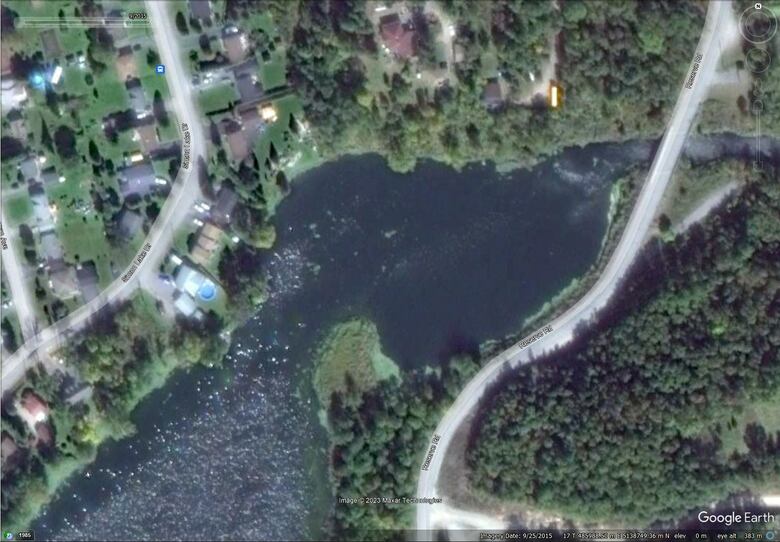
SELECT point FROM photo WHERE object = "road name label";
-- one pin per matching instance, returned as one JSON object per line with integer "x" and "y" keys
{"x": 535, "y": 337}
{"x": 138, "y": 259}
{"x": 3, "y": 240}
{"x": 185, "y": 160}
{"x": 432, "y": 450}
{"x": 694, "y": 70}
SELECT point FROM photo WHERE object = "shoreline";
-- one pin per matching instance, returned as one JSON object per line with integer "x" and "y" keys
{"x": 231, "y": 324}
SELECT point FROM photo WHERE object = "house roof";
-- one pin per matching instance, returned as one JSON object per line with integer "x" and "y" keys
{"x": 29, "y": 167}
{"x": 8, "y": 448}
{"x": 199, "y": 255}
{"x": 235, "y": 47}
{"x": 51, "y": 247}
{"x": 41, "y": 211}
{"x": 129, "y": 223}
{"x": 208, "y": 240}
{"x": 200, "y": 9}
{"x": 492, "y": 95}
{"x": 185, "y": 305}
{"x": 44, "y": 435}
{"x": 87, "y": 278}
{"x": 49, "y": 176}
{"x": 137, "y": 179}
{"x": 238, "y": 144}
{"x": 223, "y": 207}
{"x": 34, "y": 406}
{"x": 125, "y": 64}
{"x": 249, "y": 88}
{"x": 147, "y": 135}
{"x": 63, "y": 280}
{"x": 137, "y": 95}
{"x": 397, "y": 36}
{"x": 5, "y": 59}
{"x": 189, "y": 280}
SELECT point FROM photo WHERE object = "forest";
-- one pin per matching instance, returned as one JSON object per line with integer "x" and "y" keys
{"x": 628, "y": 423}
{"x": 377, "y": 441}
{"x": 621, "y": 64}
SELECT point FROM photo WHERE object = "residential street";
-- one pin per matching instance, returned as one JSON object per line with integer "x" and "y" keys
{"x": 15, "y": 273}
{"x": 184, "y": 192}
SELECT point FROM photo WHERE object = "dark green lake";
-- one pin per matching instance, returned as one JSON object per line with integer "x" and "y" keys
{"x": 441, "y": 260}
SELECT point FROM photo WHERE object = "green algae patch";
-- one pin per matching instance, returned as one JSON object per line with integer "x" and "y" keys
{"x": 350, "y": 358}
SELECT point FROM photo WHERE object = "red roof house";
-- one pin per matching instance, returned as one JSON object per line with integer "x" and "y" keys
{"x": 396, "y": 36}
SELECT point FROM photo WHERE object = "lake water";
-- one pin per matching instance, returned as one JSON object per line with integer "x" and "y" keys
{"x": 440, "y": 260}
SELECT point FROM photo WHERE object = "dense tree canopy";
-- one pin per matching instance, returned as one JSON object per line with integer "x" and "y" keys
{"x": 626, "y": 423}
{"x": 621, "y": 65}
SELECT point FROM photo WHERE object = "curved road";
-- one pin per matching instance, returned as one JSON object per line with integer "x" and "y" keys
{"x": 184, "y": 192}
{"x": 562, "y": 328}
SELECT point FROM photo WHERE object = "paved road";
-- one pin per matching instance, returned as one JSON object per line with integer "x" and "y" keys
{"x": 184, "y": 192}
{"x": 16, "y": 275}
{"x": 563, "y": 327}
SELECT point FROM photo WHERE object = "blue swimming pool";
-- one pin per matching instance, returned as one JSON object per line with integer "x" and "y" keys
{"x": 207, "y": 291}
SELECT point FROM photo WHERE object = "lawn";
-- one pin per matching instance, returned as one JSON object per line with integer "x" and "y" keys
{"x": 765, "y": 413}
{"x": 74, "y": 81}
{"x": 18, "y": 208}
{"x": 272, "y": 73}
{"x": 79, "y": 227}
{"x": 150, "y": 79}
{"x": 693, "y": 185}
{"x": 217, "y": 97}
{"x": 170, "y": 132}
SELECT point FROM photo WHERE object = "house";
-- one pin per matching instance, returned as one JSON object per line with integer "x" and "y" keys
{"x": 12, "y": 93}
{"x": 125, "y": 64}
{"x": 137, "y": 179}
{"x": 492, "y": 96}
{"x": 87, "y": 277}
{"x": 223, "y": 206}
{"x": 29, "y": 168}
{"x": 237, "y": 140}
{"x": 235, "y": 44}
{"x": 189, "y": 280}
{"x": 5, "y": 60}
{"x": 146, "y": 134}
{"x": 206, "y": 244}
{"x": 137, "y": 98}
{"x": 185, "y": 305}
{"x": 8, "y": 451}
{"x": 32, "y": 409}
{"x": 44, "y": 435}
{"x": 249, "y": 89}
{"x": 41, "y": 209}
{"x": 118, "y": 122}
{"x": 247, "y": 83}
{"x": 118, "y": 32}
{"x": 397, "y": 37}
{"x": 200, "y": 9}
{"x": 51, "y": 248}
{"x": 16, "y": 125}
{"x": 129, "y": 224}
{"x": 49, "y": 177}
{"x": 63, "y": 281}
{"x": 251, "y": 122}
